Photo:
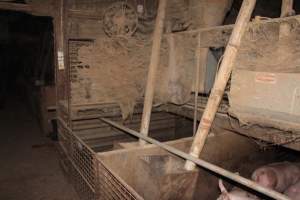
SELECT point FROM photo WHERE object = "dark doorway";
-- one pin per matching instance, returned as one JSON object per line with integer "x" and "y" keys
{"x": 29, "y": 167}
{"x": 26, "y": 55}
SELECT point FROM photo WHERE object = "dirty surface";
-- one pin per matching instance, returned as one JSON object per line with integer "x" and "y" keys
{"x": 114, "y": 69}
{"x": 29, "y": 168}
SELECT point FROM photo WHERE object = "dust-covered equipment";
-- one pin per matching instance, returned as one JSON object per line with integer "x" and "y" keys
{"x": 120, "y": 19}
{"x": 265, "y": 83}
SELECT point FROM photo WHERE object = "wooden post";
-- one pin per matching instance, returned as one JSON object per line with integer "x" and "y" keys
{"x": 286, "y": 11}
{"x": 287, "y": 8}
{"x": 154, "y": 63}
{"x": 221, "y": 81}
{"x": 60, "y": 75}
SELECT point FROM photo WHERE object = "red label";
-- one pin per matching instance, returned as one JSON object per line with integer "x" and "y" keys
{"x": 265, "y": 78}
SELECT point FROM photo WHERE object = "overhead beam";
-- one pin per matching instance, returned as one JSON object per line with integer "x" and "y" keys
{"x": 218, "y": 36}
{"x": 15, "y": 7}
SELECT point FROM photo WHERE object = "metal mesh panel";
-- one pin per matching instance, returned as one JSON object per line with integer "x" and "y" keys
{"x": 91, "y": 179}
{"x": 202, "y": 101}
{"x": 83, "y": 189}
{"x": 84, "y": 160}
{"x": 64, "y": 140}
{"x": 83, "y": 167}
{"x": 112, "y": 188}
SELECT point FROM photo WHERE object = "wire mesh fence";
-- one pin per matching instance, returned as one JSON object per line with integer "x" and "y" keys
{"x": 91, "y": 178}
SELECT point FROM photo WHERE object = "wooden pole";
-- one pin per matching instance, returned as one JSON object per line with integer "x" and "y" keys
{"x": 221, "y": 81}
{"x": 154, "y": 63}
{"x": 214, "y": 168}
{"x": 287, "y": 8}
{"x": 285, "y": 28}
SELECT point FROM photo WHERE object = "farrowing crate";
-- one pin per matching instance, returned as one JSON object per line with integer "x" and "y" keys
{"x": 87, "y": 173}
{"x": 90, "y": 177}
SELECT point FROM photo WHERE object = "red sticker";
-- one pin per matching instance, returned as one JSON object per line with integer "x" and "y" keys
{"x": 268, "y": 78}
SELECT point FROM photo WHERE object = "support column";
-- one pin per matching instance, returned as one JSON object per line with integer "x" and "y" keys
{"x": 154, "y": 63}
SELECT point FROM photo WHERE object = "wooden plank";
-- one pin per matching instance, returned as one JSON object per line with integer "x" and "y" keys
{"x": 16, "y": 7}
{"x": 218, "y": 36}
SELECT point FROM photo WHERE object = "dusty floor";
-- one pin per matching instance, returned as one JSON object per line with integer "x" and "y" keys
{"x": 29, "y": 166}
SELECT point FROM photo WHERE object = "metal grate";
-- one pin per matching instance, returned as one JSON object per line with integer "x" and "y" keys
{"x": 111, "y": 186}
{"x": 83, "y": 165}
{"x": 64, "y": 140}
{"x": 83, "y": 189}
{"x": 84, "y": 160}
{"x": 202, "y": 101}
{"x": 90, "y": 177}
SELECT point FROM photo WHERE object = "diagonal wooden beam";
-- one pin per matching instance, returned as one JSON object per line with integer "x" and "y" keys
{"x": 221, "y": 80}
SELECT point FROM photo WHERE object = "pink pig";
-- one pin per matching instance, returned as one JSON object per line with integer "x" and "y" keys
{"x": 277, "y": 176}
{"x": 293, "y": 191}
{"x": 234, "y": 194}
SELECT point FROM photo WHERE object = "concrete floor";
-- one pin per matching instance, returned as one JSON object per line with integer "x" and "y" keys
{"x": 29, "y": 165}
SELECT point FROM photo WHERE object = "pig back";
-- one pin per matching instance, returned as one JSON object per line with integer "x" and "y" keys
{"x": 293, "y": 192}
{"x": 277, "y": 176}
{"x": 288, "y": 174}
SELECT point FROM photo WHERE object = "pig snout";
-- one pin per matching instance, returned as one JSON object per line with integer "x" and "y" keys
{"x": 266, "y": 177}
{"x": 293, "y": 192}
{"x": 277, "y": 176}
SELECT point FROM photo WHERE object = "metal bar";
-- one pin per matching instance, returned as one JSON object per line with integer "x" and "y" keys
{"x": 232, "y": 176}
{"x": 197, "y": 82}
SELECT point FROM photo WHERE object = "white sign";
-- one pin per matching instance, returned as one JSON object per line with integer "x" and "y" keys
{"x": 61, "y": 62}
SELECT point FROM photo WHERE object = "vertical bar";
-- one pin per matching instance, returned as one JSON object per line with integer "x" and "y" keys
{"x": 154, "y": 63}
{"x": 59, "y": 47}
{"x": 221, "y": 81}
{"x": 197, "y": 82}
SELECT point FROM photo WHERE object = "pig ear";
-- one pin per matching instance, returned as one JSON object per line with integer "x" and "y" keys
{"x": 222, "y": 187}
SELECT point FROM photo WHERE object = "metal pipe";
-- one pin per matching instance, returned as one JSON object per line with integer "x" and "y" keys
{"x": 232, "y": 176}
{"x": 197, "y": 82}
